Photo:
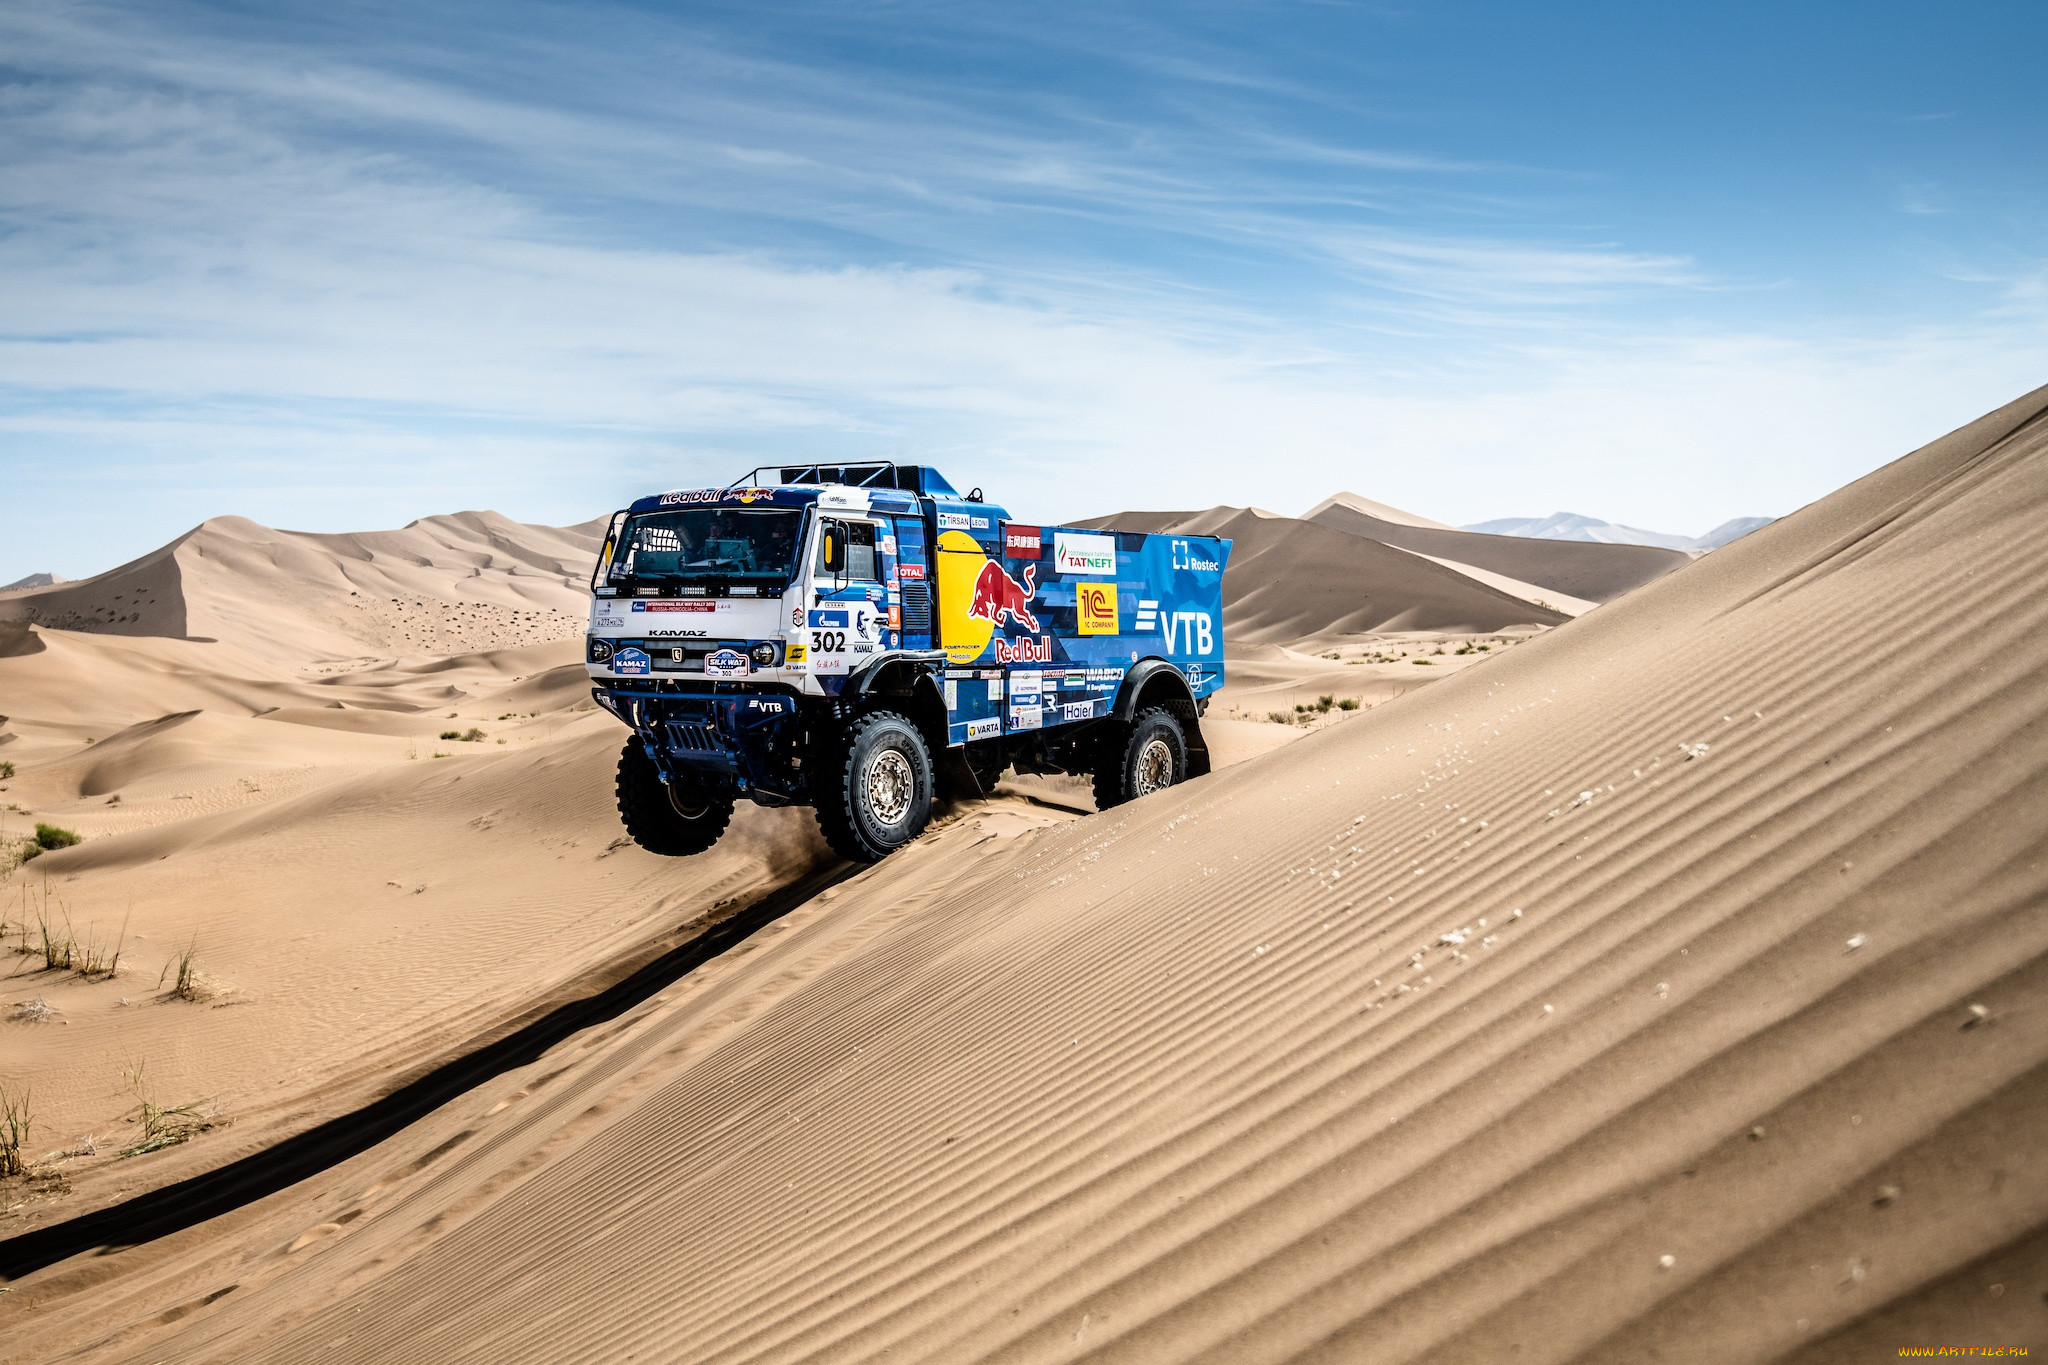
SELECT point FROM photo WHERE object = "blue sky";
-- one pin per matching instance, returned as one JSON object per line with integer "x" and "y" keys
{"x": 336, "y": 267}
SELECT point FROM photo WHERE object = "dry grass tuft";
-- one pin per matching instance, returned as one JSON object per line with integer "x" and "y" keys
{"x": 15, "y": 1123}
{"x": 182, "y": 972}
{"x": 163, "y": 1126}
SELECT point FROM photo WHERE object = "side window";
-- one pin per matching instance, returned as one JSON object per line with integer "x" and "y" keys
{"x": 862, "y": 563}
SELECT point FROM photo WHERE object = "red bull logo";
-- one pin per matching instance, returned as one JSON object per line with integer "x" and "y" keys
{"x": 997, "y": 595}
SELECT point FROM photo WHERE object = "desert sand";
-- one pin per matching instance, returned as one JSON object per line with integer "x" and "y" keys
{"x": 1667, "y": 985}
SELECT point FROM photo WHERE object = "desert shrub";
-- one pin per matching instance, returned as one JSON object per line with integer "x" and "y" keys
{"x": 1348, "y": 704}
{"x": 182, "y": 972}
{"x": 6, "y": 769}
{"x": 50, "y": 836}
{"x": 451, "y": 734}
{"x": 15, "y": 1122}
{"x": 474, "y": 735}
{"x": 1324, "y": 703}
{"x": 1420, "y": 663}
{"x": 1278, "y": 717}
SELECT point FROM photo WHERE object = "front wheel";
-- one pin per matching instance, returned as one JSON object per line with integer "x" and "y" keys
{"x": 1150, "y": 754}
{"x": 876, "y": 793}
{"x": 670, "y": 820}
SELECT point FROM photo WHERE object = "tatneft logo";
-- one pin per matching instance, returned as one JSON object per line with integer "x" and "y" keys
{"x": 1082, "y": 554}
{"x": 1023, "y": 542}
{"x": 1185, "y": 557}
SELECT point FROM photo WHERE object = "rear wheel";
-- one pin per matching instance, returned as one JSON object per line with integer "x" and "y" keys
{"x": 876, "y": 793}
{"x": 674, "y": 820}
{"x": 1149, "y": 754}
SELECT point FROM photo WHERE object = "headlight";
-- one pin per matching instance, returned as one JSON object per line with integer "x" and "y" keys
{"x": 764, "y": 655}
{"x": 600, "y": 650}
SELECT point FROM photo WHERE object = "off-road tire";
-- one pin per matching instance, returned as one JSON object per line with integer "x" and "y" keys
{"x": 1148, "y": 754}
{"x": 660, "y": 818}
{"x": 874, "y": 793}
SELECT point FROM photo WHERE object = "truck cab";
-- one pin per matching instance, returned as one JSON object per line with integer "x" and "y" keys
{"x": 862, "y": 638}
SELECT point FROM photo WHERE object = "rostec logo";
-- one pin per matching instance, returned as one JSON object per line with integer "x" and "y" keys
{"x": 1193, "y": 630}
{"x": 1023, "y": 542}
{"x": 1184, "y": 557}
{"x": 997, "y": 595}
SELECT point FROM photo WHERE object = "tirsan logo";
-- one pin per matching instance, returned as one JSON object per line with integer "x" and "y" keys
{"x": 1184, "y": 557}
{"x": 997, "y": 595}
{"x": 1192, "y": 630}
{"x": 952, "y": 521}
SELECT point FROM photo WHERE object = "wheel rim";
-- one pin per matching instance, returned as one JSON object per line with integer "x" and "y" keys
{"x": 890, "y": 785}
{"x": 688, "y": 810}
{"x": 1155, "y": 767}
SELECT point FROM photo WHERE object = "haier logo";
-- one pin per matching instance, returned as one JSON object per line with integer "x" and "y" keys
{"x": 1192, "y": 630}
{"x": 1184, "y": 557}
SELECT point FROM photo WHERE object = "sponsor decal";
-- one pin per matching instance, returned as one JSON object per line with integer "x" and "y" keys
{"x": 1074, "y": 680}
{"x": 1025, "y": 651}
{"x": 1186, "y": 557}
{"x": 1023, "y": 542}
{"x": 694, "y": 604}
{"x": 796, "y": 616}
{"x": 997, "y": 595}
{"x": 1194, "y": 631}
{"x": 1026, "y": 717}
{"x": 755, "y": 495}
{"x": 895, "y": 616}
{"x": 952, "y": 521}
{"x": 1078, "y": 710}
{"x": 676, "y": 630}
{"x": 771, "y": 706}
{"x": 1095, "y": 608}
{"x": 910, "y": 572}
{"x": 952, "y": 695}
{"x": 1076, "y": 553}
{"x": 726, "y": 663}
{"x": 977, "y": 523}
{"x": 692, "y": 495}
{"x": 1024, "y": 683}
{"x": 796, "y": 654}
{"x": 984, "y": 729}
{"x": 1196, "y": 675}
{"x": 836, "y": 620}
{"x": 1148, "y": 617}
{"x": 630, "y": 660}
{"x": 887, "y": 545}
{"x": 995, "y": 689}
{"x": 1114, "y": 673}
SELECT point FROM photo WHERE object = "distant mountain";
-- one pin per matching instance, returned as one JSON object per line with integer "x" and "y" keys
{"x": 1572, "y": 526}
{"x": 35, "y": 580}
{"x": 1579, "y": 569}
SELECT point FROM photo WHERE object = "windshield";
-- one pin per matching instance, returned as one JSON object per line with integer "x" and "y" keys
{"x": 706, "y": 542}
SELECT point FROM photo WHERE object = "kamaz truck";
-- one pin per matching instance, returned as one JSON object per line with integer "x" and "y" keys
{"x": 860, "y": 638}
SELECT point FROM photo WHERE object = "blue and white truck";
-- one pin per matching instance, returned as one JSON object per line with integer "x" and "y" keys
{"x": 858, "y": 638}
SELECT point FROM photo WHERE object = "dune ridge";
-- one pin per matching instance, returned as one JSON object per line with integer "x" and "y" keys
{"x": 1667, "y": 988}
{"x": 1581, "y": 569}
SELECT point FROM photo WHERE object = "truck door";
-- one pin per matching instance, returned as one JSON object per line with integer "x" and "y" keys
{"x": 848, "y": 608}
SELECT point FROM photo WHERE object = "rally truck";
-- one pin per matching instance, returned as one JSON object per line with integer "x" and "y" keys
{"x": 860, "y": 638}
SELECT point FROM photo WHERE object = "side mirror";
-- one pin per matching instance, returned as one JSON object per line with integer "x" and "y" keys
{"x": 832, "y": 550}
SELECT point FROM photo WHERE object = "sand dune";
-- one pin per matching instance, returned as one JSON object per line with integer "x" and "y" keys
{"x": 1580, "y": 569}
{"x": 470, "y": 581}
{"x": 1668, "y": 987}
{"x": 1297, "y": 583}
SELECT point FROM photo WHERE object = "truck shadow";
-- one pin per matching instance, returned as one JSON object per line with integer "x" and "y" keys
{"x": 173, "y": 1208}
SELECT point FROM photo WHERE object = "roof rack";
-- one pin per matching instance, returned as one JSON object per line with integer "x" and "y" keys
{"x": 868, "y": 474}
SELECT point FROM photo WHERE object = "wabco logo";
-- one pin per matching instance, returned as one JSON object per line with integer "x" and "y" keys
{"x": 1184, "y": 557}
{"x": 1192, "y": 630}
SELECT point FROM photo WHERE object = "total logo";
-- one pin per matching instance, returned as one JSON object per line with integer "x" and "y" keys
{"x": 1185, "y": 557}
